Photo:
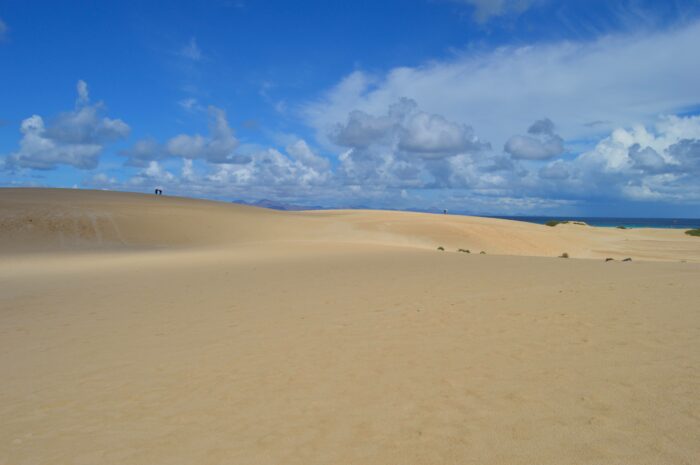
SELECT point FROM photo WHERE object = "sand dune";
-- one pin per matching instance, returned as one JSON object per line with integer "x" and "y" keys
{"x": 138, "y": 329}
{"x": 55, "y": 219}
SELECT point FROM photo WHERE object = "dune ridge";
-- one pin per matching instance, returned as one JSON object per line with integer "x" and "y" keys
{"x": 63, "y": 219}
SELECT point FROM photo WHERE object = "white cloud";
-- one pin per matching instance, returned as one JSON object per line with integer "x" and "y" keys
{"x": 434, "y": 136}
{"x": 301, "y": 152}
{"x": 216, "y": 165}
{"x": 530, "y": 148}
{"x": 153, "y": 176}
{"x": 615, "y": 81}
{"x": 662, "y": 164}
{"x": 217, "y": 147}
{"x": 189, "y": 104}
{"x": 143, "y": 152}
{"x": 75, "y": 138}
{"x": 102, "y": 180}
{"x": 620, "y": 152}
{"x": 486, "y": 9}
{"x": 541, "y": 144}
{"x": 267, "y": 173}
{"x": 270, "y": 168}
{"x": 85, "y": 125}
{"x": 646, "y": 159}
{"x": 402, "y": 147}
{"x": 83, "y": 93}
{"x": 686, "y": 153}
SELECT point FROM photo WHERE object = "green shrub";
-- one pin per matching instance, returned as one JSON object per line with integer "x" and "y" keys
{"x": 693, "y": 232}
{"x": 553, "y": 223}
{"x": 464, "y": 250}
{"x": 441, "y": 248}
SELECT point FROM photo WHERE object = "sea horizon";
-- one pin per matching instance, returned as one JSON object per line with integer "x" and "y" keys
{"x": 611, "y": 222}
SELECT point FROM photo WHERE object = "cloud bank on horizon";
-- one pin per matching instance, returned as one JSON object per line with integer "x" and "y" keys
{"x": 597, "y": 121}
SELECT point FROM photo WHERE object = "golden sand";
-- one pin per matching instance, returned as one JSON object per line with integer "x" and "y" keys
{"x": 138, "y": 329}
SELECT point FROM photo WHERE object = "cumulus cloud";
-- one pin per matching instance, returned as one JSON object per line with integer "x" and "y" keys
{"x": 216, "y": 164}
{"x": 434, "y": 136}
{"x": 686, "y": 153}
{"x": 217, "y": 147}
{"x": 403, "y": 147}
{"x": 301, "y": 152}
{"x": 641, "y": 164}
{"x": 75, "y": 138}
{"x": 263, "y": 173}
{"x": 668, "y": 147}
{"x": 143, "y": 152}
{"x": 541, "y": 144}
{"x": 646, "y": 159}
{"x": 658, "y": 164}
{"x": 272, "y": 168}
{"x": 406, "y": 128}
{"x": 362, "y": 130}
{"x": 614, "y": 81}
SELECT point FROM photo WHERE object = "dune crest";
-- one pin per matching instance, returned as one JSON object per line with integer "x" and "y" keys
{"x": 34, "y": 220}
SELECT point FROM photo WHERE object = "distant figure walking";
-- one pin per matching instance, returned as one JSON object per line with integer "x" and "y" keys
{"x": 159, "y": 191}
{"x": 444, "y": 212}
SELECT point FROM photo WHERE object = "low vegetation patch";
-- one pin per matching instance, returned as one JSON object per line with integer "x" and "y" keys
{"x": 441, "y": 248}
{"x": 482, "y": 253}
{"x": 553, "y": 223}
{"x": 693, "y": 232}
{"x": 564, "y": 255}
{"x": 464, "y": 250}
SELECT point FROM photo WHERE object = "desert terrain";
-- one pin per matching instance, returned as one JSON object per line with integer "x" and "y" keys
{"x": 142, "y": 329}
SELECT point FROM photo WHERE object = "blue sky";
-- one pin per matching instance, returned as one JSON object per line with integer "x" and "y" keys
{"x": 482, "y": 106}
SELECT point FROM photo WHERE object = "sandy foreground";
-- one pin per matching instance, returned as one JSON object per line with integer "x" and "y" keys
{"x": 137, "y": 329}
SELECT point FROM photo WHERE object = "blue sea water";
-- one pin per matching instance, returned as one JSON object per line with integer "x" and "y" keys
{"x": 673, "y": 223}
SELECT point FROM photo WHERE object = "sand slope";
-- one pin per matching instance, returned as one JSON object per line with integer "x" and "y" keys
{"x": 197, "y": 332}
{"x": 61, "y": 219}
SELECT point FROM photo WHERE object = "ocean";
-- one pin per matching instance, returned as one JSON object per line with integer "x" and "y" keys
{"x": 672, "y": 223}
